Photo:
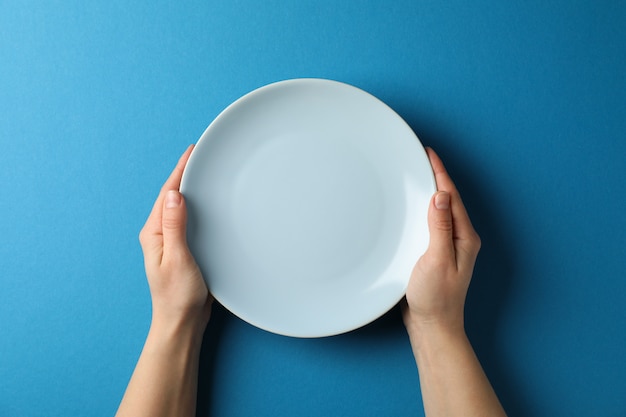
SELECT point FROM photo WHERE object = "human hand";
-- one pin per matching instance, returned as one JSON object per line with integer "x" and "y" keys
{"x": 165, "y": 380}
{"x": 179, "y": 294}
{"x": 436, "y": 292}
{"x": 452, "y": 380}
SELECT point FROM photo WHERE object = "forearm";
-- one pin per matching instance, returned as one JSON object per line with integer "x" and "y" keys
{"x": 164, "y": 382}
{"x": 452, "y": 380}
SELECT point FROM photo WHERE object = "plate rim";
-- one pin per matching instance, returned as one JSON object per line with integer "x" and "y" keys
{"x": 374, "y": 314}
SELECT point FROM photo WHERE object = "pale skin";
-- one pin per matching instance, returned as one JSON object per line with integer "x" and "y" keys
{"x": 452, "y": 380}
{"x": 165, "y": 379}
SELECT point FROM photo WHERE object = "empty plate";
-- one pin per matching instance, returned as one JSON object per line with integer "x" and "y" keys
{"x": 307, "y": 204}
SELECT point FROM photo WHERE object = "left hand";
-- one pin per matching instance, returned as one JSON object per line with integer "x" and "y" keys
{"x": 179, "y": 293}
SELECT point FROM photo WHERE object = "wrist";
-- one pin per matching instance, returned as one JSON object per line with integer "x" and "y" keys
{"x": 169, "y": 331}
{"x": 185, "y": 321}
{"x": 435, "y": 334}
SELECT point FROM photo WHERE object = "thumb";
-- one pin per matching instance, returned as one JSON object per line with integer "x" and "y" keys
{"x": 174, "y": 223}
{"x": 440, "y": 226}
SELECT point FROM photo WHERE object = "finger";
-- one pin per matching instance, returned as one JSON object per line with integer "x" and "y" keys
{"x": 460, "y": 220}
{"x": 174, "y": 225}
{"x": 173, "y": 182}
{"x": 466, "y": 240}
{"x": 441, "y": 246}
{"x": 153, "y": 224}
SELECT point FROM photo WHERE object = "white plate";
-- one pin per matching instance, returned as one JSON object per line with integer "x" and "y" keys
{"x": 307, "y": 206}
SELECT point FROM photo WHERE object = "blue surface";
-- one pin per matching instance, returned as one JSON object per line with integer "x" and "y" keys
{"x": 526, "y": 104}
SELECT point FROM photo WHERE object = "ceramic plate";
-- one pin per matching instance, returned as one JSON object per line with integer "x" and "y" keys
{"x": 307, "y": 206}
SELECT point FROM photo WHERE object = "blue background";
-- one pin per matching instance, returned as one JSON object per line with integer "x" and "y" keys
{"x": 524, "y": 101}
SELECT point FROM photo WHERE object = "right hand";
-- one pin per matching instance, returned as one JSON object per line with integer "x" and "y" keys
{"x": 438, "y": 285}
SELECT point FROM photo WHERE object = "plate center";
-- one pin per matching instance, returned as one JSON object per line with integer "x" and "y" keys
{"x": 309, "y": 204}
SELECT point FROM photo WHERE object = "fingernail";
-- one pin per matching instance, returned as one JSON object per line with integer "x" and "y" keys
{"x": 442, "y": 200}
{"x": 172, "y": 199}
